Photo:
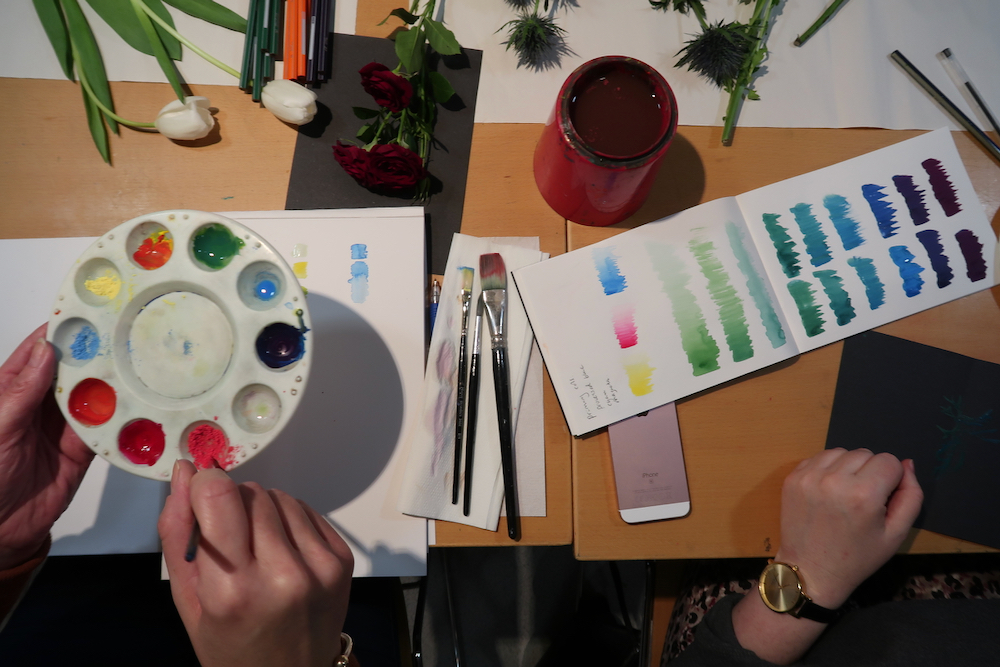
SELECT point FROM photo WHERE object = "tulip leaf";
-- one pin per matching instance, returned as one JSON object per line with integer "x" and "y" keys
{"x": 121, "y": 16}
{"x": 440, "y": 87}
{"x": 442, "y": 40}
{"x": 365, "y": 114}
{"x": 403, "y": 14}
{"x": 160, "y": 51}
{"x": 51, "y": 16}
{"x": 95, "y": 119}
{"x": 410, "y": 49}
{"x": 89, "y": 63}
{"x": 210, "y": 11}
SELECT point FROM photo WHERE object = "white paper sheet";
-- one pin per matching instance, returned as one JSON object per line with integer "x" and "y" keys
{"x": 343, "y": 451}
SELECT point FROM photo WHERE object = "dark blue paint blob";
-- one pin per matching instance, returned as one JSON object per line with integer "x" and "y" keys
{"x": 914, "y": 198}
{"x": 909, "y": 270}
{"x": 931, "y": 241}
{"x": 885, "y": 214}
{"x": 280, "y": 345}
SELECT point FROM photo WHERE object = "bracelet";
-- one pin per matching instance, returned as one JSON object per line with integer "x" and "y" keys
{"x": 345, "y": 654}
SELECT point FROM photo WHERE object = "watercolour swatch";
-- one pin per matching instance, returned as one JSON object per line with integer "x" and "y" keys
{"x": 686, "y": 303}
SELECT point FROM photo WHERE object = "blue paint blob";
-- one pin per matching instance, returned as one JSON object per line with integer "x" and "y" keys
{"x": 265, "y": 290}
{"x": 280, "y": 345}
{"x": 812, "y": 234}
{"x": 909, "y": 270}
{"x": 840, "y": 300}
{"x": 885, "y": 214}
{"x": 188, "y": 346}
{"x": 931, "y": 241}
{"x": 359, "y": 282}
{"x": 606, "y": 263}
{"x": 847, "y": 227}
{"x": 359, "y": 251}
{"x": 874, "y": 289}
{"x": 86, "y": 344}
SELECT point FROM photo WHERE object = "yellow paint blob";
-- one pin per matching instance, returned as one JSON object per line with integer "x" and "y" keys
{"x": 106, "y": 286}
{"x": 300, "y": 270}
{"x": 640, "y": 379}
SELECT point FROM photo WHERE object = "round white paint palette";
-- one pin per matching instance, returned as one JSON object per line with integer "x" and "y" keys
{"x": 180, "y": 334}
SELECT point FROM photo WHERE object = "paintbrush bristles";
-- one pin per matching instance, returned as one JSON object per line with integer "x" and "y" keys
{"x": 492, "y": 272}
{"x": 468, "y": 273}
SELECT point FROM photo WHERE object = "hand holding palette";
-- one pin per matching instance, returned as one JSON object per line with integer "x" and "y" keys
{"x": 180, "y": 334}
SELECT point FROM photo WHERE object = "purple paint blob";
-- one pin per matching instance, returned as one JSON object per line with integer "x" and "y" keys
{"x": 972, "y": 250}
{"x": 280, "y": 345}
{"x": 944, "y": 191}
{"x": 931, "y": 241}
{"x": 914, "y": 198}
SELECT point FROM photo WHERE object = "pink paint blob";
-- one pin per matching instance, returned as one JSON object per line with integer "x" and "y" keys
{"x": 92, "y": 402}
{"x": 625, "y": 329}
{"x": 141, "y": 442}
{"x": 209, "y": 447}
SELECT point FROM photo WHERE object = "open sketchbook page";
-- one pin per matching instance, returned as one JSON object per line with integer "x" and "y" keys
{"x": 873, "y": 239}
{"x": 654, "y": 314}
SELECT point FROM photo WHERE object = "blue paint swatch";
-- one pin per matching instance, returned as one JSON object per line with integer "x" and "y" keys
{"x": 931, "y": 241}
{"x": 914, "y": 198}
{"x": 86, "y": 344}
{"x": 359, "y": 251}
{"x": 359, "y": 282}
{"x": 847, "y": 227}
{"x": 784, "y": 246}
{"x": 606, "y": 263}
{"x": 885, "y": 214}
{"x": 909, "y": 270}
{"x": 868, "y": 274}
{"x": 812, "y": 234}
{"x": 840, "y": 300}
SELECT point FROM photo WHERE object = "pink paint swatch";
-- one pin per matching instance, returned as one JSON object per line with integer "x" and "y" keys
{"x": 624, "y": 323}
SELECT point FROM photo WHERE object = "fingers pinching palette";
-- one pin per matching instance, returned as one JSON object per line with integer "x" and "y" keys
{"x": 180, "y": 334}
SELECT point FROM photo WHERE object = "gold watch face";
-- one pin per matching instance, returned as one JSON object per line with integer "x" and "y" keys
{"x": 779, "y": 587}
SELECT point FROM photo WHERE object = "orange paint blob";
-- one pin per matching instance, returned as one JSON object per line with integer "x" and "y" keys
{"x": 154, "y": 252}
{"x": 92, "y": 402}
{"x": 142, "y": 442}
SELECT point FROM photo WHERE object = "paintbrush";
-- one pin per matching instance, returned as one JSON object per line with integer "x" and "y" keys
{"x": 473, "y": 417}
{"x": 493, "y": 276}
{"x": 466, "y": 297}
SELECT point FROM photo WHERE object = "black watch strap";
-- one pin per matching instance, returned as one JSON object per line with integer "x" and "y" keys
{"x": 812, "y": 611}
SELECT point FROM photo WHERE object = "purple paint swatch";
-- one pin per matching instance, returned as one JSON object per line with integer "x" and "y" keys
{"x": 972, "y": 250}
{"x": 914, "y": 198}
{"x": 944, "y": 191}
{"x": 885, "y": 214}
{"x": 931, "y": 241}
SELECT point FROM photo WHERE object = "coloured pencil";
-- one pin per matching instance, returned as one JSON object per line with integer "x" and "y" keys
{"x": 962, "y": 80}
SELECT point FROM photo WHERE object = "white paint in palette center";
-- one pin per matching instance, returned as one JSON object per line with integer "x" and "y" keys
{"x": 180, "y": 344}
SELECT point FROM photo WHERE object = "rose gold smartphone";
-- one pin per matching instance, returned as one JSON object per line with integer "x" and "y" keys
{"x": 649, "y": 466}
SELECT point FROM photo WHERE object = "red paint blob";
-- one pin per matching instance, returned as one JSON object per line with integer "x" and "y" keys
{"x": 154, "y": 252}
{"x": 141, "y": 442}
{"x": 92, "y": 402}
{"x": 619, "y": 113}
{"x": 210, "y": 448}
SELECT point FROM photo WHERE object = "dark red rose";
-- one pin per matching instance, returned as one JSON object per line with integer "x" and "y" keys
{"x": 356, "y": 161}
{"x": 390, "y": 90}
{"x": 393, "y": 167}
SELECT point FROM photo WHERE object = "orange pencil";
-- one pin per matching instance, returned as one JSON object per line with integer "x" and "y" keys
{"x": 289, "y": 47}
{"x": 303, "y": 36}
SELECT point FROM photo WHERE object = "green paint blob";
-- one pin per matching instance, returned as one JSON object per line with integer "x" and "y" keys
{"x": 758, "y": 291}
{"x": 840, "y": 300}
{"x": 215, "y": 246}
{"x": 812, "y": 321}
{"x": 734, "y": 322}
{"x": 784, "y": 246}
{"x": 701, "y": 349}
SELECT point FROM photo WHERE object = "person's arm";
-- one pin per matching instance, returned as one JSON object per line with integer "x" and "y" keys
{"x": 271, "y": 579}
{"x": 843, "y": 515}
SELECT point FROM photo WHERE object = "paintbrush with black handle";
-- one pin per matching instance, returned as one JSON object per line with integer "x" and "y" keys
{"x": 473, "y": 398}
{"x": 465, "y": 297}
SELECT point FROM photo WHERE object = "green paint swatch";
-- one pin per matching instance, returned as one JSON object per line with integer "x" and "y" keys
{"x": 701, "y": 349}
{"x": 784, "y": 246}
{"x": 215, "y": 246}
{"x": 805, "y": 301}
{"x": 758, "y": 291}
{"x": 734, "y": 322}
{"x": 840, "y": 300}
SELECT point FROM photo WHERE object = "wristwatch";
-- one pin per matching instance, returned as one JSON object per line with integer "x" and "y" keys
{"x": 781, "y": 588}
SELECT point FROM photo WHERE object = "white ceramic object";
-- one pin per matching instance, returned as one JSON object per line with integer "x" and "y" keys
{"x": 211, "y": 349}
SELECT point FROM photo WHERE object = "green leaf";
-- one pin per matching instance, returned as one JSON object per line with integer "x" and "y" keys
{"x": 366, "y": 133}
{"x": 54, "y": 24}
{"x": 95, "y": 119}
{"x": 442, "y": 40}
{"x": 210, "y": 11}
{"x": 121, "y": 16}
{"x": 166, "y": 64}
{"x": 88, "y": 56}
{"x": 365, "y": 114}
{"x": 440, "y": 87}
{"x": 410, "y": 49}
{"x": 403, "y": 14}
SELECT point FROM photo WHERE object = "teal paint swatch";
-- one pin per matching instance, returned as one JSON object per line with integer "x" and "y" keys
{"x": 701, "y": 349}
{"x": 840, "y": 300}
{"x": 731, "y": 313}
{"x": 847, "y": 227}
{"x": 812, "y": 234}
{"x": 805, "y": 302}
{"x": 784, "y": 246}
{"x": 758, "y": 291}
{"x": 868, "y": 274}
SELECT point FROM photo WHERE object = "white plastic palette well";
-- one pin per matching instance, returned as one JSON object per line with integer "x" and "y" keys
{"x": 180, "y": 334}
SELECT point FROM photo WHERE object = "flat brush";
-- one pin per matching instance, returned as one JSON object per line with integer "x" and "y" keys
{"x": 465, "y": 297}
{"x": 473, "y": 417}
{"x": 493, "y": 276}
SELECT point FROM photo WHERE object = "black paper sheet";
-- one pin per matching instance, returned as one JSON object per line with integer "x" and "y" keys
{"x": 937, "y": 408}
{"x": 317, "y": 181}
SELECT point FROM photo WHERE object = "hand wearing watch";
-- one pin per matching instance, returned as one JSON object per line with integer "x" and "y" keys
{"x": 781, "y": 589}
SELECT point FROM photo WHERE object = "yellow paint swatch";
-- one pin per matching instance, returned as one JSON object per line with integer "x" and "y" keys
{"x": 299, "y": 268}
{"x": 640, "y": 376}
{"x": 107, "y": 285}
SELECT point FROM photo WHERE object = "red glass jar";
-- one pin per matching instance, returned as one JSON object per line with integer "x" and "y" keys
{"x": 602, "y": 146}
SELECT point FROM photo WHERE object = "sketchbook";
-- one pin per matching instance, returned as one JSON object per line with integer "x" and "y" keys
{"x": 731, "y": 286}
